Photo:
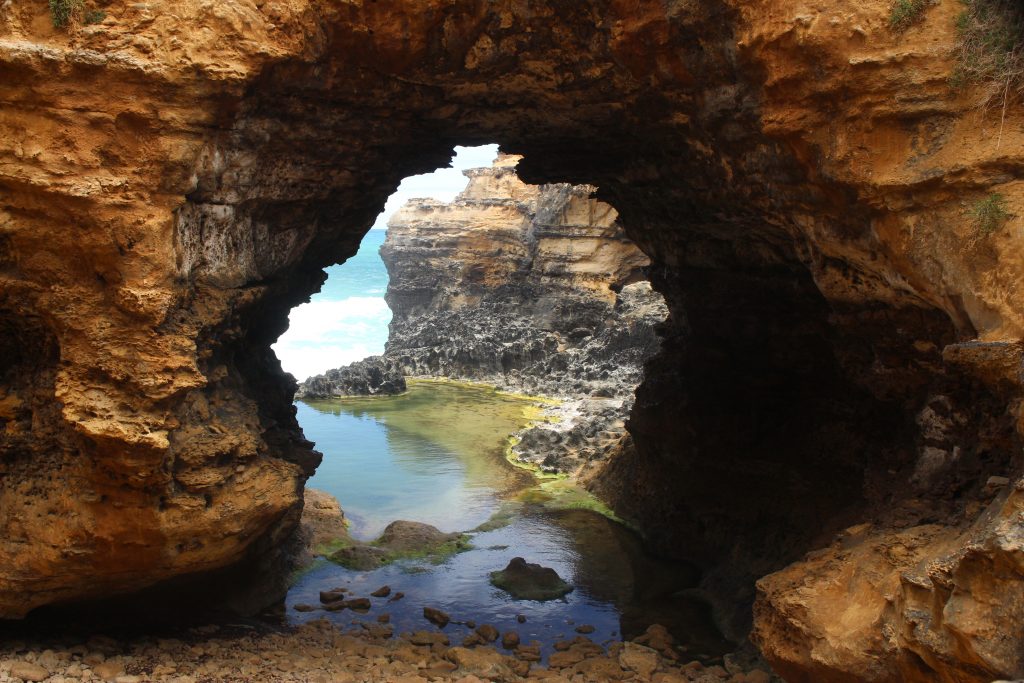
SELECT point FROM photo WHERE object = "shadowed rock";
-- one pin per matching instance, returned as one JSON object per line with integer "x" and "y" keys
{"x": 527, "y": 581}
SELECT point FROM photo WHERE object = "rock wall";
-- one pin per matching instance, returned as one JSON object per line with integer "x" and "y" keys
{"x": 844, "y": 339}
{"x": 532, "y": 289}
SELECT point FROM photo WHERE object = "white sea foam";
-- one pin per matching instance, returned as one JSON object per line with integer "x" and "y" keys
{"x": 328, "y": 334}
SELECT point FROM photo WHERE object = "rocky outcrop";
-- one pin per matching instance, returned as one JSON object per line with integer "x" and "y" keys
{"x": 321, "y": 528}
{"x": 174, "y": 177}
{"x": 368, "y": 377}
{"x": 530, "y": 288}
{"x": 533, "y": 288}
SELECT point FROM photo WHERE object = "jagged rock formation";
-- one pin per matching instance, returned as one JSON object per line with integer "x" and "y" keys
{"x": 533, "y": 289}
{"x": 844, "y": 341}
{"x": 367, "y": 377}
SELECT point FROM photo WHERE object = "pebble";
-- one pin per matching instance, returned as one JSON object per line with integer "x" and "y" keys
{"x": 382, "y": 592}
{"x": 108, "y": 671}
{"x": 487, "y": 632}
{"x": 320, "y": 651}
{"x": 27, "y": 671}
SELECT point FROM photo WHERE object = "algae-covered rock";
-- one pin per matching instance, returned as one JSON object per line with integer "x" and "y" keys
{"x": 402, "y": 540}
{"x": 361, "y": 557}
{"x": 402, "y": 536}
{"x": 527, "y": 581}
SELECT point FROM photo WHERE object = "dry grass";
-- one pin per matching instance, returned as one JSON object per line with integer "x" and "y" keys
{"x": 990, "y": 50}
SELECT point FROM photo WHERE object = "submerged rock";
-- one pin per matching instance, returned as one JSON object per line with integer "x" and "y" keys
{"x": 527, "y": 581}
{"x": 361, "y": 557}
{"x": 437, "y": 617}
{"x": 368, "y": 377}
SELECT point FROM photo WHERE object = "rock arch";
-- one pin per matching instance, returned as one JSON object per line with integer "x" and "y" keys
{"x": 175, "y": 178}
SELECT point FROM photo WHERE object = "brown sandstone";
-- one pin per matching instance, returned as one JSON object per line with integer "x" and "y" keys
{"x": 840, "y": 374}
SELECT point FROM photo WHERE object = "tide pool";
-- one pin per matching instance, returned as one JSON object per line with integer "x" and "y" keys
{"x": 436, "y": 455}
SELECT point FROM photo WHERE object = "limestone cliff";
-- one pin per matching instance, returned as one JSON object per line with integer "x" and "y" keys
{"x": 844, "y": 344}
{"x": 533, "y": 289}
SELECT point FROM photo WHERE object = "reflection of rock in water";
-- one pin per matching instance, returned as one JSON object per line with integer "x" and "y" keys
{"x": 612, "y": 565}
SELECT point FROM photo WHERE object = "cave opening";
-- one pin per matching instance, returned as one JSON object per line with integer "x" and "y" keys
{"x": 522, "y": 318}
{"x": 831, "y": 428}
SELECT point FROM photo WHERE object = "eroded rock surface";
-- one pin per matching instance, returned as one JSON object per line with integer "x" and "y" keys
{"x": 174, "y": 178}
{"x": 368, "y": 377}
{"x": 535, "y": 289}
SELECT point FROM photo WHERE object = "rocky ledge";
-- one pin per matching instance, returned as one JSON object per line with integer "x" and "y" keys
{"x": 368, "y": 377}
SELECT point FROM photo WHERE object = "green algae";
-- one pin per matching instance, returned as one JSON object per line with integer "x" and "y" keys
{"x": 367, "y": 556}
{"x": 563, "y": 494}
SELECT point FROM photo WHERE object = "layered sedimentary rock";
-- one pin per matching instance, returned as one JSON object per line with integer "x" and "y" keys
{"x": 844, "y": 338}
{"x": 530, "y": 288}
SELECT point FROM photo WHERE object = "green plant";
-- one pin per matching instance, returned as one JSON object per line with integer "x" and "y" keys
{"x": 990, "y": 213}
{"x": 95, "y": 16}
{"x": 990, "y": 49}
{"x": 903, "y": 13}
{"x": 61, "y": 11}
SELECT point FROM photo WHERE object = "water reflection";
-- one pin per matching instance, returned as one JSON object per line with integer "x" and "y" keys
{"x": 435, "y": 455}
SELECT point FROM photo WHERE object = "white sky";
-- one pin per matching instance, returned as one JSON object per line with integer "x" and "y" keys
{"x": 326, "y": 333}
{"x": 443, "y": 184}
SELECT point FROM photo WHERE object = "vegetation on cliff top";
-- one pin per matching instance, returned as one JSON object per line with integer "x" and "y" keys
{"x": 904, "y": 13}
{"x": 990, "y": 48}
{"x": 61, "y": 11}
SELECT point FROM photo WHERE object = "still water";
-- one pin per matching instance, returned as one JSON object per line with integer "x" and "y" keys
{"x": 436, "y": 454}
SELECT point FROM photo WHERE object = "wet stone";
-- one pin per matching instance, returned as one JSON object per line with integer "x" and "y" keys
{"x": 527, "y": 581}
{"x": 487, "y": 632}
{"x": 436, "y": 616}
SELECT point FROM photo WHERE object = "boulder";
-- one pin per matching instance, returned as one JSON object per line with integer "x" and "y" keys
{"x": 526, "y": 581}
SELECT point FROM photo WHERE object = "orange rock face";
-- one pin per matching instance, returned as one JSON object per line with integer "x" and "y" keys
{"x": 844, "y": 346}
